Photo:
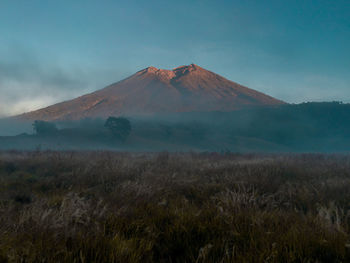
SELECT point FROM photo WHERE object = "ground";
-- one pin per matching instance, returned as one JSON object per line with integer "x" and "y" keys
{"x": 178, "y": 207}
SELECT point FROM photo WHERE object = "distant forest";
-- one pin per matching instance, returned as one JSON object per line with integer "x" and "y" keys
{"x": 311, "y": 127}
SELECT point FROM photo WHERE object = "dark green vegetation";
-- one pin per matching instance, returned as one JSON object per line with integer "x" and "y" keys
{"x": 119, "y": 127}
{"x": 308, "y": 127}
{"x": 124, "y": 207}
{"x": 44, "y": 128}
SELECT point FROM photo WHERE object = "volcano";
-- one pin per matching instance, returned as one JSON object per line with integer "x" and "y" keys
{"x": 152, "y": 91}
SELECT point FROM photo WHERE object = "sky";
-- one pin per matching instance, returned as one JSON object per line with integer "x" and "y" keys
{"x": 50, "y": 51}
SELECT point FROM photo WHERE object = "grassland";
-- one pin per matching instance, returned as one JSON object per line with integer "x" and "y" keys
{"x": 178, "y": 207}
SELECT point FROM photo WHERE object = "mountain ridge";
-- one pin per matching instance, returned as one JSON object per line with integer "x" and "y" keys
{"x": 151, "y": 90}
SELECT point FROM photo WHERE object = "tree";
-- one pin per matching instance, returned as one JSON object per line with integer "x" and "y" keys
{"x": 44, "y": 127}
{"x": 120, "y": 127}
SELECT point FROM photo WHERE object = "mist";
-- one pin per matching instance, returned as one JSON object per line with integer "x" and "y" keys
{"x": 307, "y": 127}
{"x": 29, "y": 81}
{"x": 13, "y": 127}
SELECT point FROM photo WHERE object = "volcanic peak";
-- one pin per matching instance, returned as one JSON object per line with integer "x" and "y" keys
{"x": 183, "y": 89}
{"x": 170, "y": 74}
{"x": 191, "y": 67}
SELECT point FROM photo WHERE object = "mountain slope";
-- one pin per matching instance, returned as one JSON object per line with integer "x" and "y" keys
{"x": 183, "y": 89}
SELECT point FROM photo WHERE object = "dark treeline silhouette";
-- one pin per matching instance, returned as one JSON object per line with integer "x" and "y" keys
{"x": 302, "y": 127}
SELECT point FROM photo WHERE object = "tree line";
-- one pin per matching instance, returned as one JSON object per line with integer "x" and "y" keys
{"x": 118, "y": 127}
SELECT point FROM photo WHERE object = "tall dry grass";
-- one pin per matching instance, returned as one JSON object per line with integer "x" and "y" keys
{"x": 179, "y": 207}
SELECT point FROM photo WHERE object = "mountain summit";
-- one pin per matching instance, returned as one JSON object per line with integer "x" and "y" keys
{"x": 151, "y": 90}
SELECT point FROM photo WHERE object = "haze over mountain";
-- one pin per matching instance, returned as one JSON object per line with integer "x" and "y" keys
{"x": 151, "y": 90}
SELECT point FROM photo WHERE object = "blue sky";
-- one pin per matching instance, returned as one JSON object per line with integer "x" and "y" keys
{"x": 55, "y": 50}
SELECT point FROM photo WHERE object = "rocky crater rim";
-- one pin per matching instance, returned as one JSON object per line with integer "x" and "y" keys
{"x": 172, "y": 73}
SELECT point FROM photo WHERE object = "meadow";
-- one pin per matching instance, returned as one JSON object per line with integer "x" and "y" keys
{"x": 104, "y": 206}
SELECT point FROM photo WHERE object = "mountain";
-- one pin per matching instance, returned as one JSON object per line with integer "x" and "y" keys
{"x": 151, "y": 90}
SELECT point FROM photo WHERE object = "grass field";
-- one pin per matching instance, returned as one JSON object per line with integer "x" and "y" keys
{"x": 178, "y": 207}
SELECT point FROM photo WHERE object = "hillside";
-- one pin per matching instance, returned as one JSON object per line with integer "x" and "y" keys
{"x": 183, "y": 89}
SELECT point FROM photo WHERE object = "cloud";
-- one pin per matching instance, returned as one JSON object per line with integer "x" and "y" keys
{"x": 10, "y": 107}
{"x": 27, "y": 83}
